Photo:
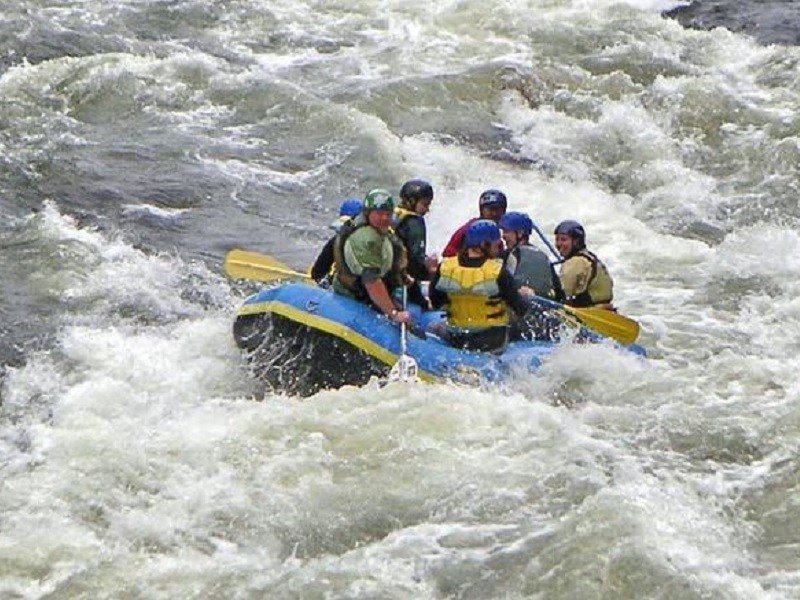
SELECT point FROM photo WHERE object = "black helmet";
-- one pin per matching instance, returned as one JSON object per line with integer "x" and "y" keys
{"x": 574, "y": 230}
{"x": 493, "y": 198}
{"x": 415, "y": 190}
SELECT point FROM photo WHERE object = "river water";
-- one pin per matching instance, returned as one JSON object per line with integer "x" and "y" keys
{"x": 139, "y": 141}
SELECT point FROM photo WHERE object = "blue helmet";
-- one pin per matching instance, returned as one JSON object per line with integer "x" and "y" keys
{"x": 574, "y": 230}
{"x": 351, "y": 207}
{"x": 493, "y": 198}
{"x": 516, "y": 221}
{"x": 480, "y": 231}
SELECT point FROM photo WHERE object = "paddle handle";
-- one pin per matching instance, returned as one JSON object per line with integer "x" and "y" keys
{"x": 549, "y": 245}
{"x": 403, "y": 343}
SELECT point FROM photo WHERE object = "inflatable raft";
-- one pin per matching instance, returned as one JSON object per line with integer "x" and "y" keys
{"x": 302, "y": 338}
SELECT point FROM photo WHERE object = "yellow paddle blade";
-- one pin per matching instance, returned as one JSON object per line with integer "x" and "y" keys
{"x": 608, "y": 323}
{"x": 241, "y": 264}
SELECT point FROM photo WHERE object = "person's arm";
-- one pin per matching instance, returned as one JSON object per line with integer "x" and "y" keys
{"x": 365, "y": 253}
{"x": 438, "y": 299}
{"x": 511, "y": 261}
{"x": 380, "y": 297}
{"x": 558, "y": 290}
{"x": 510, "y": 293}
{"x": 416, "y": 296}
{"x": 322, "y": 266}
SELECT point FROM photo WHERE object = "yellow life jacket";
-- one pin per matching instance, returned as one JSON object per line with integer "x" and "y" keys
{"x": 402, "y": 213}
{"x": 473, "y": 294}
{"x": 595, "y": 284}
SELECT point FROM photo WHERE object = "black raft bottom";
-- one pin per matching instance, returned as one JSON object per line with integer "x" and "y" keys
{"x": 296, "y": 359}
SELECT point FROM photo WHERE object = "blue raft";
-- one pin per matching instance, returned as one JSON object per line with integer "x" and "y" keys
{"x": 302, "y": 338}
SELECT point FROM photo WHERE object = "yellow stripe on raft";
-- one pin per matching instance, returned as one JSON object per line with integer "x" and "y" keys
{"x": 332, "y": 327}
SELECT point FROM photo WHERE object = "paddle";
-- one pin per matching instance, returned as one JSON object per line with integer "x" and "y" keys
{"x": 605, "y": 322}
{"x": 241, "y": 264}
{"x": 405, "y": 369}
{"x": 547, "y": 243}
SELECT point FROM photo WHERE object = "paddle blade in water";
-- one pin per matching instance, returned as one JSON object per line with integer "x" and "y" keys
{"x": 405, "y": 369}
{"x": 614, "y": 325}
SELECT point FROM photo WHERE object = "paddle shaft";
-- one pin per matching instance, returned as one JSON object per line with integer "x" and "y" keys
{"x": 403, "y": 342}
{"x": 547, "y": 243}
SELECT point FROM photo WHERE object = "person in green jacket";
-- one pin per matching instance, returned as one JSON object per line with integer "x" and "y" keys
{"x": 369, "y": 259}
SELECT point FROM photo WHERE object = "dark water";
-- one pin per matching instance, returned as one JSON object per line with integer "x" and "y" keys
{"x": 770, "y": 22}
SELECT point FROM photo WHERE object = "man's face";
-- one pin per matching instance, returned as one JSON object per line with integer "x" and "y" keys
{"x": 564, "y": 244}
{"x": 422, "y": 207}
{"x": 492, "y": 212}
{"x": 496, "y": 248}
{"x": 380, "y": 219}
{"x": 509, "y": 237}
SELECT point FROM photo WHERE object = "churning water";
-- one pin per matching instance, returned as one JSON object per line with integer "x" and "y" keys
{"x": 139, "y": 141}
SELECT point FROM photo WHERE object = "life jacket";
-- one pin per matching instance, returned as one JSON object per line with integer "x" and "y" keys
{"x": 324, "y": 268}
{"x": 401, "y": 214}
{"x": 415, "y": 248}
{"x": 473, "y": 294}
{"x": 345, "y": 278}
{"x": 533, "y": 269}
{"x": 599, "y": 288}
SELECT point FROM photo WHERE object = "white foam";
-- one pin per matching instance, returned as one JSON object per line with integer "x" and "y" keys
{"x": 149, "y": 210}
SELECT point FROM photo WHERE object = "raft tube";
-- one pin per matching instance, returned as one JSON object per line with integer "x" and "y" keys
{"x": 303, "y": 338}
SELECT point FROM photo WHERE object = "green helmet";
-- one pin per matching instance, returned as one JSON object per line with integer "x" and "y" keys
{"x": 378, "y": 199}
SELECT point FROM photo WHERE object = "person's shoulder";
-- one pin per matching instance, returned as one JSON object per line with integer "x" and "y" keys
{"x": 459, "y": 233}
{"x": 410, "y": 222}
{"x": 576, "y": 262}
{"x": 535, "y": 251}
{"x": 364, "y": 233}
{"x": 371, "y": 241}
{"x": 462, "y": 229}
{"x": 416, "y": 220}
{"x": 467, "y": 223}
